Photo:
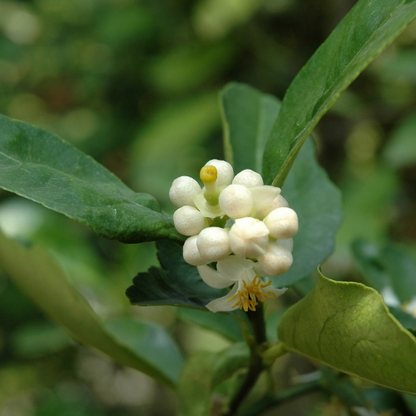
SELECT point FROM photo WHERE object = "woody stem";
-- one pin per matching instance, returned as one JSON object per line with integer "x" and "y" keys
{"x": 258, "y": 324}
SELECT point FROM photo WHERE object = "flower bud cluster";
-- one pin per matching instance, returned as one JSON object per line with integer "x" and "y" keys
{"x": 234, "y": 215}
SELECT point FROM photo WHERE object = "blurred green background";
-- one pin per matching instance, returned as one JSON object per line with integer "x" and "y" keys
{"x": 135, "y": 85}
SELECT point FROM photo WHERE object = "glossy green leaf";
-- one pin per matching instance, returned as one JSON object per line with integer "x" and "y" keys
{"x": 40, "y": 166}
{"x": 317, "y": 202}
{"x": 203, "y": 372}
{"x": 347, "y": 326}
{"x": 248, "y": 116}
{"x": 367, "y": 29}
{"x": 43, "y": 281}
{"x": 176, "y": 283}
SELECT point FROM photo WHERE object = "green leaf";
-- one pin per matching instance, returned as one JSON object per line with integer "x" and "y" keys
{"x": 44, "y": 282}
{"x": 389, "y": 266}
{"x": 248, "y": 116}
{"x": 347, "y": 326}
{"x": 367, "y": 29}
{"x": 368, "y": 259}
{"x": 152, "y": 343}
{"x": 40, "y": 166}
{"x": 39, "y": 339}
{"x": 177, "y": 283}
{"x": 317, "y": 202}
{"x": 225, "y": 324}
{"x": 400, "y": 150}
{"x": 203, "y": 372}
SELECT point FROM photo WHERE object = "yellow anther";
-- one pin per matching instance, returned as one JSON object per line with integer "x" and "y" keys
{"x": 208, "y": 174}
{"x": 247, "y": 298}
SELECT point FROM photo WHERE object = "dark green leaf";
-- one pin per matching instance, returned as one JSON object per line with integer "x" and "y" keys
{"x": 203, "y": 372}
{"x": 368, "y": 260}
{"x": 367, "y": 29}
{"x": 44, "y": 282}
{"x": 248, "y": 117}
{"x": 388, "y": 267}
{"x": 40, "y": 166}
{"x": 178, "y": 283}
{"x": 318, "y": 205}
{"x": 347, "y": 326}
{"x": 406, "y": 320}
{"x": 225, "y": 324}
{"x": 402, "y": 271}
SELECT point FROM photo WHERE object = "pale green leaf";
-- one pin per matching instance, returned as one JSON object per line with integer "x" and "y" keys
{"x": 347, "y": 326}
{"x": 43, "y": 281}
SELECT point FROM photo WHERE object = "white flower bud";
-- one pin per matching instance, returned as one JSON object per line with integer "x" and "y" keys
{"x": 236, "y": 201}
{"x": 286, "y": 243}
{"x": 248, "y": 178}
{"x": 249, "y": 237}
{"x": 225, "y": 172}
{"x": 191, "y": 253}
{"x": 188, "y": 220}
{"x": 282, "y": 223}
{"x": 183, "y": 190}
{"x": 213, "y": 244}
{"x": 265, "y": 198}
{"x": 277, "y": 260}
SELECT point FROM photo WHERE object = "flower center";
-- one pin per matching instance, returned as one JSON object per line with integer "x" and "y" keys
{"x": 248, "y": 296}
{"x": 209, "y": 175}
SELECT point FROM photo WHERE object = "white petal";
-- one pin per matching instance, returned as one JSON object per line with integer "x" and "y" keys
{"x": 225, "y": 303}
{"x": 214, "y": 244}
{"x": 265, "y": 197}
{"x": 234, "y": 268}
{"x": 282, "y": 223}
{"x": 191, "y": 253}
{"x": 188, "y": 220}
{"x": 288, "y": 243}
{"x": 277, "y": 292}
{"x": 249, "y": 237}
{"x": 277, "y": 260}
{"x": 236, "y": 201}
{"x": 248, "y": 178}
{"x": 212, "y": 278}
{"x": 224, "y": 171}
{"x": 183, "y": 190}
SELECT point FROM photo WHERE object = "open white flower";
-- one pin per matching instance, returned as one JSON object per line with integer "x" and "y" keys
{"x": 248, "y": 289}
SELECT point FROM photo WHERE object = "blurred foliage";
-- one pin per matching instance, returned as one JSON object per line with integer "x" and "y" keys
{"x": 135, "y": 84}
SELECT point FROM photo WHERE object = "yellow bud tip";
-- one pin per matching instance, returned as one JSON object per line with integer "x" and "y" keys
{"x": 208, "y": 174}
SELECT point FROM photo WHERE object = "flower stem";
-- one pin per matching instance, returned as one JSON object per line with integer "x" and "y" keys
{"x": 256, "y": 365}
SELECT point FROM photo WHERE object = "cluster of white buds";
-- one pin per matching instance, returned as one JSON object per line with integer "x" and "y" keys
{"x": 238, "y": 217}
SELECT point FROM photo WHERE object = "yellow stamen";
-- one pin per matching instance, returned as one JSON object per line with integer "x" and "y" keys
{"x": 208, "y": 174}
{"x": 248, "y": 296}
